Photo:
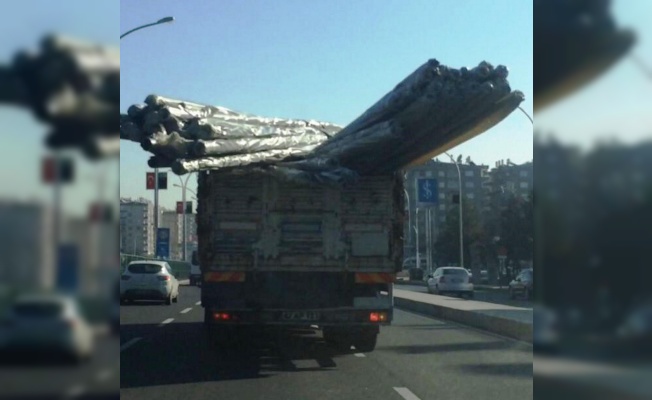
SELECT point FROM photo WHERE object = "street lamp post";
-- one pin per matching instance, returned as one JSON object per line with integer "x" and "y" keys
{"x": 459, "y": 176}
{"x": 184, "y": 187}
{"x": 160, "y": 21}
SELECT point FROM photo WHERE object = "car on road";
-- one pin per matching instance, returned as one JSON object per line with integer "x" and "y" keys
{"x": 149, "y": 280}
{"x": 195, "y": 271}
{"x": 453, "y": 280}
{"x": 522, "y": 284}
{"x": 48, "y": 324}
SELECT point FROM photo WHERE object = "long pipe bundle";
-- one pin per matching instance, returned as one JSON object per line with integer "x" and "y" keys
{"x": 433, "y": 109}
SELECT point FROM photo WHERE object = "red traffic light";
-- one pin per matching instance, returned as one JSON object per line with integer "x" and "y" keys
{"x": 151, "y": 183}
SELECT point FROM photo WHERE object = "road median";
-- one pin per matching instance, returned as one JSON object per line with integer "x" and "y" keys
{"x": 513, "y": 322}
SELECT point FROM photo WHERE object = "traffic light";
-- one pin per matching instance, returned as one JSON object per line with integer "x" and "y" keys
{"x": 150, "y": 183}
{"x": 100, "y": 213}
{"x": 162, "y": 180}
{"x": 57, "y": 169}
{"x": 188, "y": 207}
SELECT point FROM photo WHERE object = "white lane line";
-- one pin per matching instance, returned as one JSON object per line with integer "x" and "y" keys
{"x": 167, "y": 321}
{"x": 103, "y": 375}
{"x": 129, "y": 344}
{"x": 75, "y": 391}
{"x": 406, "y": 393}
{"x": 359, "y": 355}
{"x": 186, "y": 310}
{"x": 198, "y": 303}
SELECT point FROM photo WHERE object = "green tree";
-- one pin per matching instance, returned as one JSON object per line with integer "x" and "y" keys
{"x": 517, "y": 228}
{"x": 447, "y": 245}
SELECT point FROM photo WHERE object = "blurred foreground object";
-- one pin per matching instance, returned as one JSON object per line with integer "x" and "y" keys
{"x": 48, "y": 325}
{"x": 575, "y": 41}
{"x": 72, "y": 86}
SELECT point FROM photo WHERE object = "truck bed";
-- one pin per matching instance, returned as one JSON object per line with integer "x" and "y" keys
{"x": 256, "y": 223}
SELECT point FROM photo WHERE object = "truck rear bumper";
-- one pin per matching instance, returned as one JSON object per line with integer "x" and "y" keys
{"x": 319, "y": 317}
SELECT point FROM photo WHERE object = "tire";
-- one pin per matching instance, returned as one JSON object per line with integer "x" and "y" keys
{"x": 366, "y": 342}
{"x": 437, "y": 290}
{"x": 168, "y": 301}
{"x": 176, "y": 298}
{"x": 337, "y": 339}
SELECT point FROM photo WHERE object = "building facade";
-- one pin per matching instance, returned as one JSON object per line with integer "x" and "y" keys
{"x": 137, "y": 226}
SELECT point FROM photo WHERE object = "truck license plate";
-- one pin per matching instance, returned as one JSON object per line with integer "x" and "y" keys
{"x": 300, "y": 316}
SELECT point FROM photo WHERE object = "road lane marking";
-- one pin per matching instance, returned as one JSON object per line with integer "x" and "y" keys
{"x": 75, "y": 391}
{"x": 103, "y": 375}
{"x": 406, "y": 393}
{"x": 186, "y": 310}
{"x": 130, "y": 343}
{"x": 198, "y": 303}
{"x": 359, "y": 355}
{"x": 167, "y": 321}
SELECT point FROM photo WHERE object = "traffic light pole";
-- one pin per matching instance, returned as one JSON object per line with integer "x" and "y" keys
{"x": 56, "y": 218}
{"x": 155, "y": 210}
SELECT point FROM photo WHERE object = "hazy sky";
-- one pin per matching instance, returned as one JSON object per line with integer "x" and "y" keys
{"x": 323, "y": 60}
{"x": 23, "y": 26}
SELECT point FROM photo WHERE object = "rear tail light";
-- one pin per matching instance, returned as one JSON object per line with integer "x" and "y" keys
{"x": 377, "y": 317}
{"x": 164, "y": 278}
{"x": 125, "y": 277}
{"x": 222, "y": 316}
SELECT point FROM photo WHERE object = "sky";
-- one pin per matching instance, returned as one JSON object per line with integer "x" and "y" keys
{"x": 617, "y": 104}
{"x": 23, "y": 27}
{"x": 322, "y": 60}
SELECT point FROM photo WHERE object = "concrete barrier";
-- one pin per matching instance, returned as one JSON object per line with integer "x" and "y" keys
{"x": 507, "y": 321}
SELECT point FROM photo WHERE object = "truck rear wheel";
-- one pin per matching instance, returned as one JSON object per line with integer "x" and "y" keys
{"x": 365, "y": 342}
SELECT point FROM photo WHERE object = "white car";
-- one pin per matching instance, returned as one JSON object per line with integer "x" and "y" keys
{"x": 149, "y": 280}
{"x": 450, "y": 280}
{"x": 48, "y": 323}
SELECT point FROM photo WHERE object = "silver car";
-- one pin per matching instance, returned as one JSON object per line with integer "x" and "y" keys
{"x": 454, "y": 280}
{"x": 48, "y": 323}
{"x": 149, "y": 280}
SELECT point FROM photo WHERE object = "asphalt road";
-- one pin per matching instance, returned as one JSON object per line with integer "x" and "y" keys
{"x": 41, "y": 377}
{"x": 489, "y": 296}
{"x": 165, "y": 354}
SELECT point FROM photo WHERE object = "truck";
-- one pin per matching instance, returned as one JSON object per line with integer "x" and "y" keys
{"x": 277, "y": 253}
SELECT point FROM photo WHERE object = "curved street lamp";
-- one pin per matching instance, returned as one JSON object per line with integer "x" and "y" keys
{"x": 160, "y": 21}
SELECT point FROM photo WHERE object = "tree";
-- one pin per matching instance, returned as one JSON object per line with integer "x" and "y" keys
{"x": 517, "y": 228}
{"x": 447, "y": 245}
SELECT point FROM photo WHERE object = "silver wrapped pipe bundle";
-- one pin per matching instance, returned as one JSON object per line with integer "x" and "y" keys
{"x": 430, "y": 111}
{"x": 171, "y": 146}
{"x": 183, "y": 166}
{"x": 218, "y": 147}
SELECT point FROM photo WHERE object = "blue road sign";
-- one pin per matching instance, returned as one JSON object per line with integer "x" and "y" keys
{"x": 163, "y": 243}
{"x": 68, "y": 267}
{"x": 427, "y": 191}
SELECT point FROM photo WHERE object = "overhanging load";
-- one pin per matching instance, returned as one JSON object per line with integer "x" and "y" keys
{"x": 433, "y": 109}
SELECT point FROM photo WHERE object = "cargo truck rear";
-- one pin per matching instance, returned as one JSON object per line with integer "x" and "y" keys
{"x": 275, "y": 253}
